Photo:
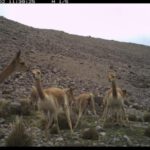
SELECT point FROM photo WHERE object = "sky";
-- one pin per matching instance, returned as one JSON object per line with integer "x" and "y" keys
{"x": 119, "y": 22}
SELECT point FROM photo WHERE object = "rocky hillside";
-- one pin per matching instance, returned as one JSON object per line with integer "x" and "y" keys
{"x": 67, "y": 59}
{"x": 70, "y": 59}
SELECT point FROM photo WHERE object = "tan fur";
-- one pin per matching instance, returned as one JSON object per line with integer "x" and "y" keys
{"x": 60, "y": 99}
{"x": 47, "y": 103}
{"x": 82, "y": 102}
{"x": 109, "y": 92}
{"x": 57, "y": 92}
{"x": 114, "y": 103}
{"x": 16, "y": 65}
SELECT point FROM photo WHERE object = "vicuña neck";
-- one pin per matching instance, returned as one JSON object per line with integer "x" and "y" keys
{"x": 40, "y": 90}
{"x": 114, "y": 89}
{"x": 6, "y": 72}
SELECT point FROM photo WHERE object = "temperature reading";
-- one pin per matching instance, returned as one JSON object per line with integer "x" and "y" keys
{"x": 21, "y": 1}
{"x": 63, "y": 1}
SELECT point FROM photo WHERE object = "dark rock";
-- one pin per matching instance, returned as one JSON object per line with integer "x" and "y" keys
{"x": 147, "y": 131}
{"x": 54, "y": 130}
{"x": 129, "y": 143}
{"x": 2, "y": 120}
{"x": 132, "y": 117}
{"x": 62, "y": 119}
{"x": 146, "y": 117}
{"x": 99, "y": 128}
{"x": 136, "y": 106}
{"x": 15, "y": 108}
{"x": 90, "y": 133}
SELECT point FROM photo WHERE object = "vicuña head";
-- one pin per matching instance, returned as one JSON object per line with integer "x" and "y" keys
{"x": 112, "y": 76}
{"x": 82, "y": 102}
{"x": 37, "y": 74}
{"x": 17, "y": 65}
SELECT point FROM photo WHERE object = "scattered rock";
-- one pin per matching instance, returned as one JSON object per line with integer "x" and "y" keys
{"x": 2, "y": 120}
{"x": 129, "y": 143}
{"x": 136, "y": 106}
{"x": 54, "y": 70}
{"x": 99, "y": 128}
{"x": 103, "y": 133}
{"x": 115, "y": 139}
{"x": 59, "y": 139}
{"x": 132, "y": 117}
{"x": 6, "y": 92}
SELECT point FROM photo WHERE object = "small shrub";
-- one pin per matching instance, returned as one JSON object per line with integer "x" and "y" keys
{"x": 147, "y": 132}
{"x": 15, "y": 108}
{"x": 26, "y": 108}
{"x": 107, "y": 124}
{"x": 83, "y": 124}
{"x": 147, "y": 117}
{"x": 62, "y": 120}
{"x": 136, "y": 106}
{"x": 19, "y": 135}
{"x": 132, "y": 117}
{"x": 148, "y": 109}
{"x": 5, "y": 108}
{"x": 90, "y": 133}
{"x": 42, "y": 122}
{"x": 54, "y": 130}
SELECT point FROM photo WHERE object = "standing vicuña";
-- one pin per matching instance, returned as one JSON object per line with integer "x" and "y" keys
{"x": 114, "y": 103}
{"x": 52, "y": 100}
{"x": 82, "y": 101}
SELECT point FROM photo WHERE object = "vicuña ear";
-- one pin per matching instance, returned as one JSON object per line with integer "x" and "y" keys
{"x": 124, "y": 92}
{"x": 32, "y": 71}
{"x": 71, "y": 88}
{"x": 18, "y": 54}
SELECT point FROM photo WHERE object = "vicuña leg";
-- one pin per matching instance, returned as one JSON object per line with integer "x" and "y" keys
{"x": 67, "y": 111}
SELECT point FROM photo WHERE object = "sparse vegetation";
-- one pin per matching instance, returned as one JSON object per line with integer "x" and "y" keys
{"x": 19, "y": 135}
{"x": 146, "y": 116}
{"x": 62, "y": 120}
{"x": 147, "y": 131}
{"x": 26, "y": 108}
{"x": 54, "y": 130}
{"x": 5, "y": 108}
{"x": 132, "y": 117}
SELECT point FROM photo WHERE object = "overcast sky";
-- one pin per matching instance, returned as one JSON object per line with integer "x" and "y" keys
{"x": 120, "y": 22}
